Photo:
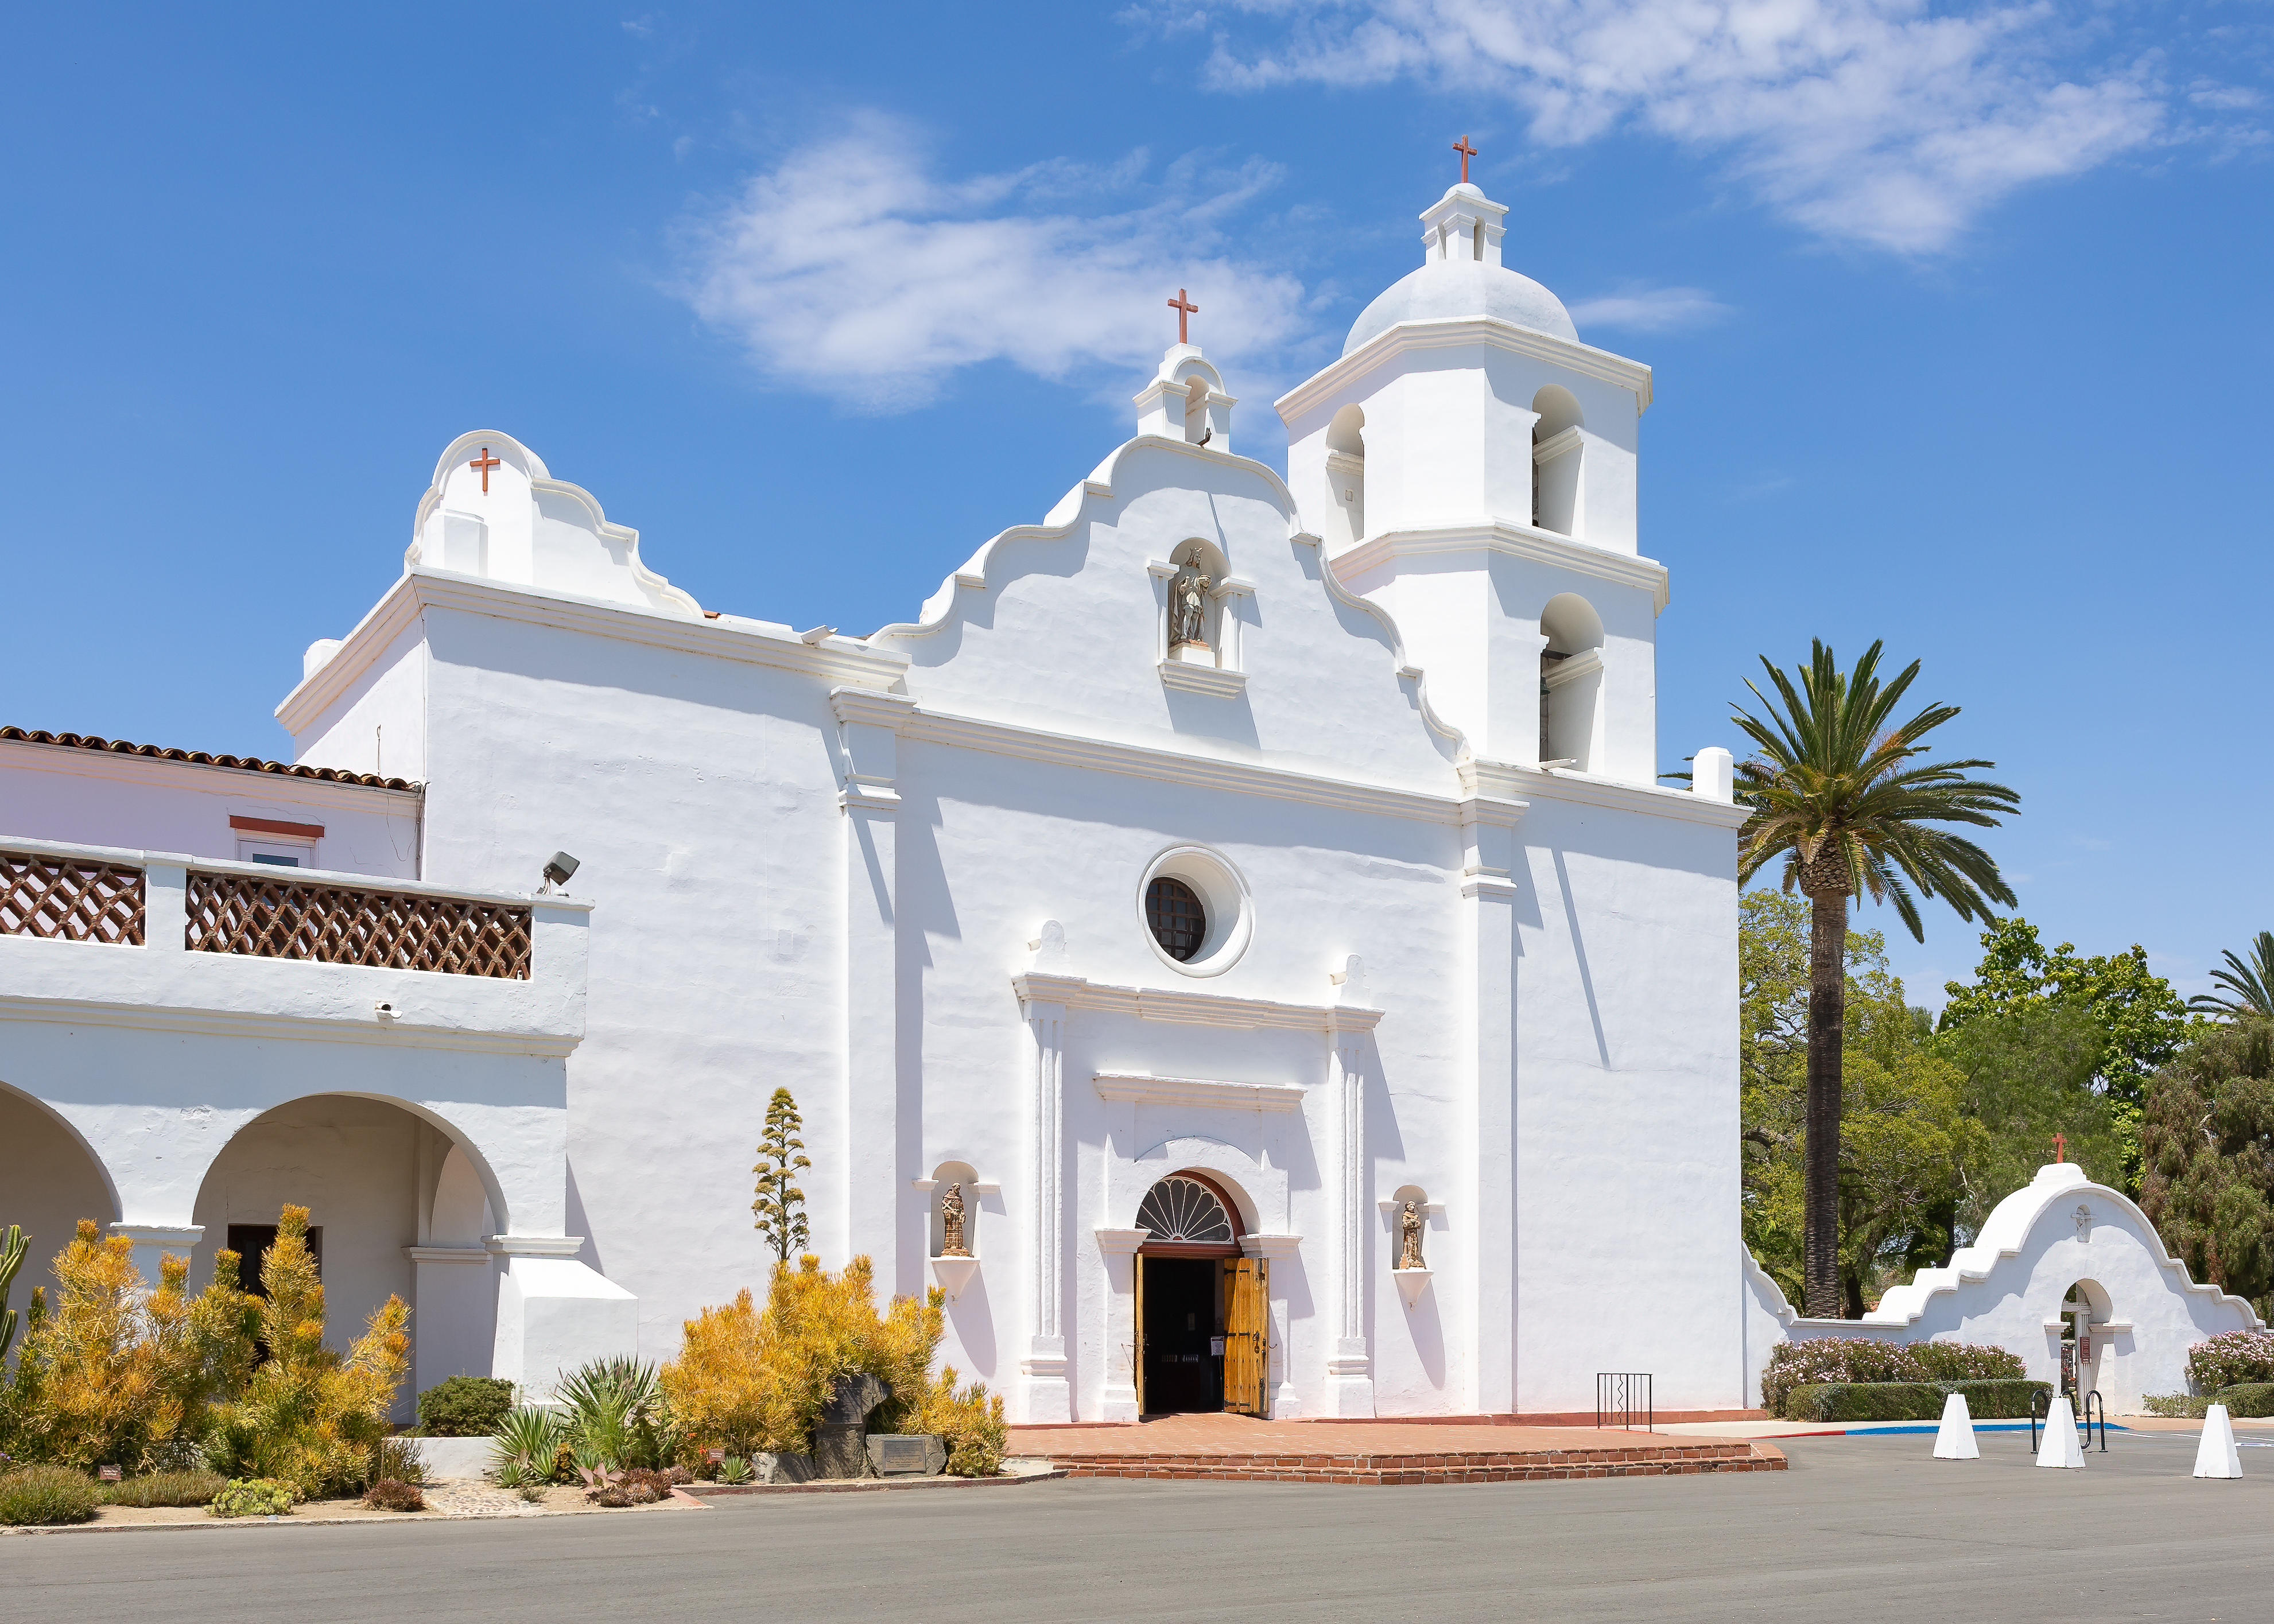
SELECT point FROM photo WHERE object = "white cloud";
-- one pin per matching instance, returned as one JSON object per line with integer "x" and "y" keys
{"x": 1635, "y": 309}
{"x": 1891, "y": 123}
{"x": 850, "y": 268}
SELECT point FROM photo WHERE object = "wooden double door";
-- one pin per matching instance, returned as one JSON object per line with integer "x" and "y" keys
{"x": 1203, "y": 1333}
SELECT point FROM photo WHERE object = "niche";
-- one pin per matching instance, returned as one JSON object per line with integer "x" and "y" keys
{"x": 1346, "y": 472}
{"x": 1570, "y": 681}
{"x": 946, "y": 1173}
{"x": 1555, "y": 450}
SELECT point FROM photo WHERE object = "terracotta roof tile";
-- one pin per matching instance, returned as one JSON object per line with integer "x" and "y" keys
{"x": 242, "y": 764}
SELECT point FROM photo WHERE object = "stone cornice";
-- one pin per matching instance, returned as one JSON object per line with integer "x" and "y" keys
{"x": 832, "y": 659}
{"x": 869, "y": 706}
{"x": 1142, "y": 1088}
{"x": 285, "y": 1028}
{"x": 1451, "y": 333}
{"x": 1198, "y": 1008}
{"x": 1510, "y": 780}
{"x": 1535, "y": 546}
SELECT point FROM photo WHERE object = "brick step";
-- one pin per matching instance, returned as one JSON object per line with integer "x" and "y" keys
{"x": 1494, "y": 1466}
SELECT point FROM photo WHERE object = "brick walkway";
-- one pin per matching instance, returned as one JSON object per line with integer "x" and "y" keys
{"x": 1379, "y": 1452}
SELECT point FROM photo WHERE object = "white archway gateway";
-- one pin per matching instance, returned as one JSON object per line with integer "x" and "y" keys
{"x": 2061, "y": 1264}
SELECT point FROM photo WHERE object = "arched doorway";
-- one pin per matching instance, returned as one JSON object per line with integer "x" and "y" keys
{"x": 1202, "y": 1314}
{"x": 2086, "y": 1363}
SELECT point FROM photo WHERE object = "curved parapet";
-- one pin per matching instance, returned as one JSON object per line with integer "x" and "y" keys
{"x": 495, "y": 511}
{"x": 1098, "y": 507}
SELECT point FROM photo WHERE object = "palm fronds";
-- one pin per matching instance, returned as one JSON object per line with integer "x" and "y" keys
{"x": 2249, "y": 986}
{"x": 1836, "y": 788}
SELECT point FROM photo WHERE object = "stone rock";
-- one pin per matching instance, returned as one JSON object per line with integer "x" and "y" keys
{"x": 783, "y": 1468}
{"x": 908, "y": 1454}
{"x": 855, "y": 1396}
{"x": 839, "y": 1450}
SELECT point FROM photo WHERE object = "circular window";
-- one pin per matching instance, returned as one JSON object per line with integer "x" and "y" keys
{"x": 1179, "y": 922}
{"x": 1193, "y": 907}
{"x": 1184, "y": 1209}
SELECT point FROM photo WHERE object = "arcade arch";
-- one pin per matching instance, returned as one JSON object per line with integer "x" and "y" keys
{"x": 53, "y": 1181}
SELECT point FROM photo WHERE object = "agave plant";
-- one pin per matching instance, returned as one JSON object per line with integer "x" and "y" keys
{"x": 527, "y": 1440}
{"x": 616, "y": 1412}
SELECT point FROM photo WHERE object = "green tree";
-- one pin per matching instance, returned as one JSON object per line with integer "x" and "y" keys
{"x": 2249, "y": 987}
{"x": 1838, "y": 790}
{"x": 1903, "y": 1133}
{"x": 2028, "y": 1075}
{"x": 2207, "y": 1135}
{"x": 780, "y": 1205}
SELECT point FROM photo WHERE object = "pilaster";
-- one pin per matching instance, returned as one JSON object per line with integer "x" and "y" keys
{"x": 873, "y": 1179}
{"x": 1117, "y": 1335}
{"x": 1488, "y": 893}
{"x": 1045, "y": 1393}
{"x": 1350, "y": 1365}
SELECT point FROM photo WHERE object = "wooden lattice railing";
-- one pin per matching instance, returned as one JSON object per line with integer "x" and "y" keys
{"x": 334, "y": 924}
{"x": 69, "y": 899}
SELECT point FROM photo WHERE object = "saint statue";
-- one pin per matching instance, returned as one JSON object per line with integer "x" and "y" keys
{"x": 951, "y": 1212}
{"x": 1409, "y": 1228}
{"x": 1189, "y": 591}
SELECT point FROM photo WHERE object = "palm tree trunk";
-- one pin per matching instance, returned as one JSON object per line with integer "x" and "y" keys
{"x": 1827, "y": 1023}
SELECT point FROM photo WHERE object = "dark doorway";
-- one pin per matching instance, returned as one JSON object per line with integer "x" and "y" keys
{"x": 1184, "y": 1335}
{"x": 251, "y": 1241}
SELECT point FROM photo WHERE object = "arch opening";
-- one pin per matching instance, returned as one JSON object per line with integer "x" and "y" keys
{"x": 1198, "y": 1301}
{"x": 1555, "y": 450}
{"x": 1346, "y": 472}
{"x": 1571, "y": 680}
{"x": 54, "y": 1179}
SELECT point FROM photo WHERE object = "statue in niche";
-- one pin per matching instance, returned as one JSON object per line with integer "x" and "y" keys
{"x": 1189, "y": 591}
{"x": 951, "y": 1214}
{"x": 1409, "y": 1229}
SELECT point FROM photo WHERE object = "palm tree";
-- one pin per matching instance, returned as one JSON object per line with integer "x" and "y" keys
{"x": 2250, "y": 986}
{"x": 1843, "y": 797}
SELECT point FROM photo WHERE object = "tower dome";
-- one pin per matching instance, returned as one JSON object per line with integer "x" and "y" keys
{"x": 1461, "y": 276}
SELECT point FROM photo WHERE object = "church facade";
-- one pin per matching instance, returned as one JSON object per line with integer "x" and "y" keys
{"x": 1231, "y": 938}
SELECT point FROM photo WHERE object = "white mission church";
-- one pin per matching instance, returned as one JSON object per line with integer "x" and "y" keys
{"x": 1197, "y": 878}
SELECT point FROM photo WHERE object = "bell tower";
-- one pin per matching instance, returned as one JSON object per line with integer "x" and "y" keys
{"x": 1471, "y": 466}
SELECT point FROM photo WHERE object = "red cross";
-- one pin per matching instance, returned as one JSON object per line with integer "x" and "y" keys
{"x": 2060, "y": 1147}
{"x": 486, "y": 462}
{"x": 1467, "y": 152}
{"x": 1185, "y": 312}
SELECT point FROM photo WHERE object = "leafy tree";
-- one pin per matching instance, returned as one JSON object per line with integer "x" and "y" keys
{"x": 2028, "y": 1076}
{"x": 780, "y": 1206}
{"x": 2249, "y": 987}
{"x": 1903, "y": 1134}
{"x": 2207, "y": 1135}
{"x": 2141, "y": 1019}
{"x": 1837, "y": 789}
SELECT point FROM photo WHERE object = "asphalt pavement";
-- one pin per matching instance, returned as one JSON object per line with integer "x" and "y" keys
{"x": 1860, "y": 1528}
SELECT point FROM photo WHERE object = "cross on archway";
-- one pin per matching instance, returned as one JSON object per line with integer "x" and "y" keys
{"x": 1467, "y": 152}
{"x": 2060, "y": 1147}
{"x": 1186, "y": 311}
{"x": 484, "y": 462}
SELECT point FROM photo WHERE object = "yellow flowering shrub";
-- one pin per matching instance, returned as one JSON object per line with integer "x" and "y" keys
{"x": 747, "y": 1378}
{"x": 114, "y": 1376}
{"x": 309, "y": 1416}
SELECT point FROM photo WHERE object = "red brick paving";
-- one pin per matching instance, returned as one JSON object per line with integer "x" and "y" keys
{"x": 1377, "y": 1452}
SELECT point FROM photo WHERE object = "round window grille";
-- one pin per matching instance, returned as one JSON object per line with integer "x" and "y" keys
{"x": 1184, "y": 1209}
{"x": 1174, "y": 912}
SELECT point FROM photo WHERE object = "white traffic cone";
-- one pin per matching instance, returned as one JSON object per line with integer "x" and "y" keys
{"x": 2060, "y": 1447}
{"x": 1955, "y": 1441}
{"x": 2215, "y": 1456}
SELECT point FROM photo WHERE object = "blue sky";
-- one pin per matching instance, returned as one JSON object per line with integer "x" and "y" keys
{"x": 1958, "y": 317}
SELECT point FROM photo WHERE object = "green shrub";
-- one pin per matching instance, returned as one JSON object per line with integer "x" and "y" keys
{"x": 397, "y": 1458}
{"x": 2246, "y": 1398}
{"x": 172, "y": 1488}
{"x": 253, "y": 1497}
{"x": 46, "y": 1494}
{"x": 2185, "y": 1405}
{"x": 464, "y": 1406}
{"x": 1909, "y": 1401}
{"x": 1840, "y": 1359}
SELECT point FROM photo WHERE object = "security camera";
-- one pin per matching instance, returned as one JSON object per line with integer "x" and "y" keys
{"x": 557, "y": 870}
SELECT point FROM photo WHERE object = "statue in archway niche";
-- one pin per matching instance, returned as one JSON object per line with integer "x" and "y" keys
{"x": 1409, "y": 1229}
{"x": 951, "y": 1215}
{"x": 1189, "y": 591}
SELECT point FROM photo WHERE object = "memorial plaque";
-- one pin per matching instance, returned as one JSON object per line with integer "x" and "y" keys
{"x": 908, "y": 1454}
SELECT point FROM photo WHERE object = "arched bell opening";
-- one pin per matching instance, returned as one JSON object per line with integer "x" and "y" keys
{"x": 1201, "y": 1303}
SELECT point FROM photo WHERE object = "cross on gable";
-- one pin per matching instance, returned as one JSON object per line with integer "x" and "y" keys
{"x": 2060, "y": 1147}
{"x": 1184, "y": 310}
{"x": 1467, "y": 152}
{"x": 484, "y": 462}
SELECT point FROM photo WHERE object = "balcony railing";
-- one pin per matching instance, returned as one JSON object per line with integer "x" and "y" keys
{"x": 265, "y": 916}
{"x": 337, "y": 924}
{"x": 69, "y": 899}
